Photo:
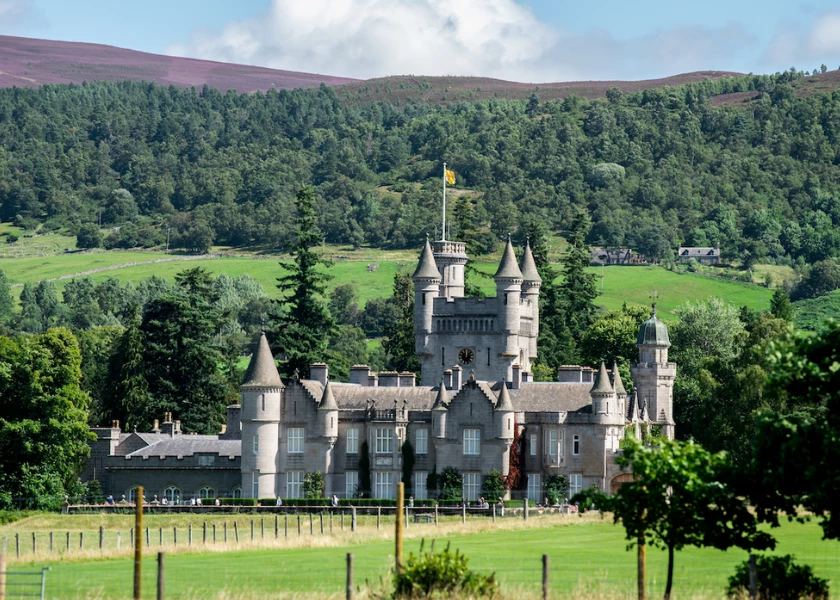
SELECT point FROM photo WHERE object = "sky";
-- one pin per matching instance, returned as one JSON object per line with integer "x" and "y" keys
{"x": 520, "y": 40}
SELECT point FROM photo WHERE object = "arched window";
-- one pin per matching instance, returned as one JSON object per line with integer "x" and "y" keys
{"x": 206, "y": 492}
{"x": 236, "y": 492}
{"x": 132, "y": 494}
{"x": 171, "y": 493}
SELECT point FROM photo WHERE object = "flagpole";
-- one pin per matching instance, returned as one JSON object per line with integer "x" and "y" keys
{"x": 443, "y": 227}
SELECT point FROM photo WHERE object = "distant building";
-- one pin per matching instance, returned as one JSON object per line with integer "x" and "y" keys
{"x": 476, "y": 393}
{"x": 709, "y": 256}
{"x": 620, "y": 256}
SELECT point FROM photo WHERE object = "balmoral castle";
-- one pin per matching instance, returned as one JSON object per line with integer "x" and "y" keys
{"x": 476, "y": 391}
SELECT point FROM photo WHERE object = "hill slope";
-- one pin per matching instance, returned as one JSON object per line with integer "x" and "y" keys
{"x": 26, "y": 62}
{"x": 31, "y": 63}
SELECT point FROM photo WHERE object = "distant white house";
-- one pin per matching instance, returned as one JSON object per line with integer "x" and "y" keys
{"x": 703, "y": 255}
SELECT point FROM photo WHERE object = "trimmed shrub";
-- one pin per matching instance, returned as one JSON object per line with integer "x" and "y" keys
{"x": 441, "y": 574}
{"x": 779, "y": 578}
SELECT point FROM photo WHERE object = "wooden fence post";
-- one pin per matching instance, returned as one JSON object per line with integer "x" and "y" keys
{"x": 262, "y": 528}
{"x": 34, "y": 543}
{"x": 753, "y": 578}
{"x": 252, "y": 530}
{"x": 321, "y": 519}
{"x": 226, "y": 538}
{"x": 276, "y": 526}
{"x": 436, "y": 513}
{"x": 17, "y": 545}
{"x": 148, "y": 537}
{"x": 161, "y": 579}
{"x": 236, "y": 532}
{"x": 353, "y": 519}
{"x": 331, "y": 515}
{"x": 349, "y": 594}
{"x": 342, "y": 520}
{"x": 3, "y": 573}
{"x": 640, "y": 566}
{"x": 51, "y": 542}
{"x": 545, "y": 577}
{"x": 138, "y": 547}
{"x": 68, "y": 542}
{"x": 378, "y": 516}
{"x": 494, "y": 512}
{"x": 81, "y": 540}
{"x": 525, "y": 511}
{"x": 160, "y": 536}
{"x": 463, "y": 512}
{"x": 285, "y": 525}
{"x": 311, "y": 530}
{"x": 399, "y": 526}
{"x": 298, "y": 519}
{"x": 101, "y": 537}
{"x": 175, "y": 536}
{"x": 204, "y": 533}
{"x": 214, "y": 533}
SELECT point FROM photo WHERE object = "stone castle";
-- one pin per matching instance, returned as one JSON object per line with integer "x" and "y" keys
{"x": 477, "y": 392}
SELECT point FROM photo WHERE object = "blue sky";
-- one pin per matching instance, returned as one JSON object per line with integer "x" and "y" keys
{"x": 524, "y": 40}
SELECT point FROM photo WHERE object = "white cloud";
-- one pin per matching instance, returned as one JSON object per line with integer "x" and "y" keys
{"x": 12, "y": 14}
{"x": 493, "y": 38}
{"x": 801, "y": 46}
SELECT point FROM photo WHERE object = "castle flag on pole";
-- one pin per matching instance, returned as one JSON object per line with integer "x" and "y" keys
{"x": 450, "y": 177}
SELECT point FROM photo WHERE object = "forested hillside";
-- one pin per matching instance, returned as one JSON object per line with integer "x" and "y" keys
{"x": 654, "y": 169}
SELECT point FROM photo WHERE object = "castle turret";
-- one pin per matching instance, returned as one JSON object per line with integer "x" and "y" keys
{"x": 450, "y": 259}
{"x": 427, "y": 280}
{"x": 620, "y": 391}
{"x": 653, "y": 375}
{"x": 508, "y": 292}
{"x": 261, "y": 393}
{"x": 531, "y": 283}
{"x": 604, "y": 403}
{"x": 328, "y": 414}
{"x": 504, "y": 414}
{"x": 439, "y": 410}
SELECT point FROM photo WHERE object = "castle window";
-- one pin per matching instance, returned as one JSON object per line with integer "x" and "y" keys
{"x": 472, "y": 442}
{"x": 294, "y": 484}
{"x": 255, "y": 484}
{"x": 576, "y": 445}
{"x": 352, "y": 441}
{"x": 421, "y": 445}
{"x": 256, "y": 442}
{"x": 262, "y": 401}
{"x": 384, "y": 485}
{"x": 443, "y": 356}
{"x": 471, "y": 486}
{"x": 552, "y": 442}
{"x": 206, "y": 492}
{"x": 575, "y": 484}
{"x": 171, "y": 493}
{"x": 351, "y": 484}
{"x": 294, "y": 441}
{"x": 236, "y": 492}
{"x": 132, "y": 495}
{"x": 505, "y": 298}
{"x": 424, "y": 299}
{"x": 384, "y": 441}
{"x": 488, "y": 357}
{"x": 420, "y": 484}
{"x": 534, "y": 487}
{"x": 532, "y": 442}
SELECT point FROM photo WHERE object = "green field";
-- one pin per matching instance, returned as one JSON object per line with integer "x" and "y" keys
{"x": 588, "y": 559}
{"x": 617, "y": 284}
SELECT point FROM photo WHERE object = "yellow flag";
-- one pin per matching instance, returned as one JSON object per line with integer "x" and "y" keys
{"x": 450, "y": 177}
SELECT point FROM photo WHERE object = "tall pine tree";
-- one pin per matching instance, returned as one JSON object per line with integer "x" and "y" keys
{"x": 400, "y": 341}
{"x": 306, "y": 324}
{"x": 578, "y": 290}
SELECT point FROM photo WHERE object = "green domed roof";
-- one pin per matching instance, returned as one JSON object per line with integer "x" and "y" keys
{"x": 653, "y": 332}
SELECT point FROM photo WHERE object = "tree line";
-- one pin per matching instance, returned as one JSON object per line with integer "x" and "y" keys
{"x": 654, "y": 169}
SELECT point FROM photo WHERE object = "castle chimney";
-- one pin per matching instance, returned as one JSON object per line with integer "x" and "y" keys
{"x": 406, "y": 379}
{"x": 360, "y": 374}
{"x": 156, "y": 427}
{"x": 517, "y": 377}
{"x": 389, "y": 379}
{"x": 447, "y": 379}
{"x": 319, "y": 372}
{"x": 456, "y": 378}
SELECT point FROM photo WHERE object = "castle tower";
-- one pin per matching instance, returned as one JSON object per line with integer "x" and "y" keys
{"x": 503, "y": 414}
{"x": 427, "y": 285}
{"x": 620, "y": 390}
{"x": 508, "y": 297}
{"x": 439, "y": 410}
{"x": 531, "y": 284}
{"x": 604, "y": 402}
{"x": 654, "y": 376}
{"x": 261, "y": 393}
{"x": 450, "y": 259}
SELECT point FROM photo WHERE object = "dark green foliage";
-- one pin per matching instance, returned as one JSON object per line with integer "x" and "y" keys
{"x": 440, "y": 575}
{"x": 313, "y": 485}
{"x": 451, "y": 484}
{"x": 93, "y": 492}
{"x": 97, "y": 346}
{"x": 344, "y": 304}
{"x": 6, "y": 301}
{"x": 306, "y": 324}
{"x": 43, "y": 418}
{"x": 407, "y": 451}
{"x": 779, "y": 578}
{"x": 89, "y": 236}
{"x": 556, "y": 488}
{"x": 781, "y": 306}
{"x": 822, "y": 278}
{"x": 578, "y": 290}
{"x": 400, "y": 343}
{"x": 493, "y": 489}
{"x": 612, "y": 336}
{"x": 796, "y": 457}
{"x": 364, "y": 470}
{"x": 811, "y": 314}
{"x": 347, "y": 347}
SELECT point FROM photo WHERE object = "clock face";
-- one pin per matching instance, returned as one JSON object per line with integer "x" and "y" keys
{"x": 466, "y": 356}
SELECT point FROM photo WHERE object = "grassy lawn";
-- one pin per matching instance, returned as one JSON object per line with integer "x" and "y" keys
{"x": 588, "y": 559}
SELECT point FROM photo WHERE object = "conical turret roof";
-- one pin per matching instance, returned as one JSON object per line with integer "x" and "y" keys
{"x": 426, "y": 268}
{"x": 504, "y": 403}
{"x": 262, "y": 372}
{"x": 602, "y": 382}
{"x": 327, "y": 399}
{"x": 529, "y": 266}
{"x": 442, "y": 400}
{"x": 508, "y": 269}
{"x": 617, "y": 383}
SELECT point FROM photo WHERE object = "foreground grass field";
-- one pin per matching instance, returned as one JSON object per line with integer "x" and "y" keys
{"x": 588, "y": 560}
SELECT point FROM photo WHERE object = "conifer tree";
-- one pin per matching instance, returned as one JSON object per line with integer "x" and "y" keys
{"x": 400, "y": 341}
{"x": 781, "y": 306}
{"x": 306, "y": 324}
{"x": 130, "y": 391}
{"x": 464, "y": 217}
{"x": 578, "y": 290}
{"x": 6, "y": 302}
